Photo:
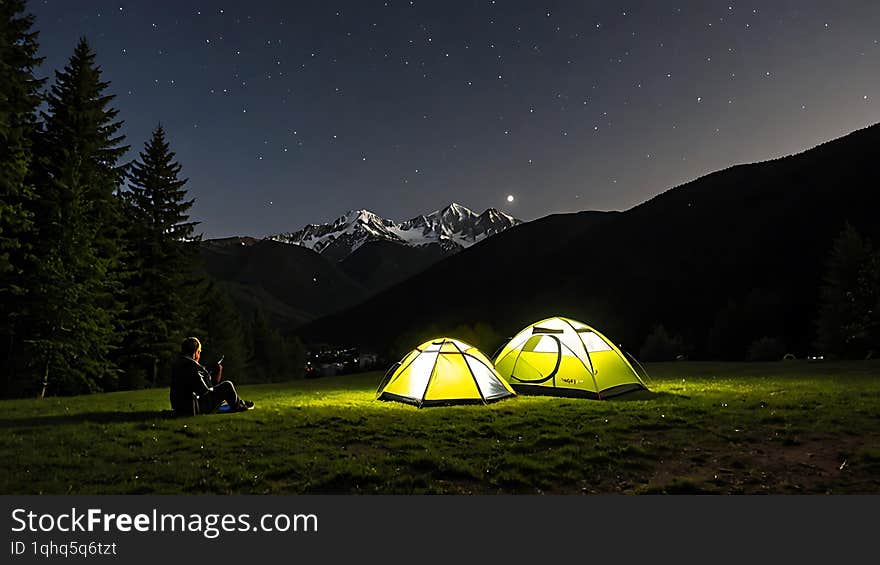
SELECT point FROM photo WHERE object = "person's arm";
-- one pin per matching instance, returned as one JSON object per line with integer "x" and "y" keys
{"x": 200, "y": 385}
{"x": 218, "y": 373}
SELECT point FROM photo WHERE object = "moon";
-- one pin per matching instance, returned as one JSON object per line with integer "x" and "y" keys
{"x": 510, "y": 198}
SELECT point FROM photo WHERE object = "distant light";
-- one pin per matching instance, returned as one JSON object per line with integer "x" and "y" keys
{"x": 510, "y": 198}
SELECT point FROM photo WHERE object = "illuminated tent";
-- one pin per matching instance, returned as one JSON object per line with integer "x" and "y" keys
{"x": 443, "y": 371}
{"x": 563, "y": 357}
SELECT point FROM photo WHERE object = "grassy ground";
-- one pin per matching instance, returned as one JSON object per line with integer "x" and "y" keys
{"x": 788, "y": 427}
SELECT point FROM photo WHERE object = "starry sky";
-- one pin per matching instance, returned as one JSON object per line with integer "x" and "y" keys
{"x": 284, "y": 113}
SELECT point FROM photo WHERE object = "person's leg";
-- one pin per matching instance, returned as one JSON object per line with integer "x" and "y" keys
{"x": 209, "y": 402}
{"x": 226, "y": 391}
{"x": 213, "y": 399}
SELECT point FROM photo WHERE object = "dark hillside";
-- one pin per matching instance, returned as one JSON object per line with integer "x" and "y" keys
{"x": 378, "y": 265}
{"x": 722, "y": 260}
{"x": 292, "y": 283}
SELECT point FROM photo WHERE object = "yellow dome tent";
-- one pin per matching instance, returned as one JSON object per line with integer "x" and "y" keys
{"x": 564, "y": 357}
{"x": 443, "y": 371}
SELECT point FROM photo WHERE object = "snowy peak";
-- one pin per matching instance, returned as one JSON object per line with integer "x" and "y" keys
{"x": 453, "y": 227}
{"x": 494, "y": 221}
{"x": 364, "y": 217}
{"x": 343, "y": 235}
{"x": 460, "y": 225}
{"x": 454, "y": 213}
{"x": 453, "y": 219}
{"x": 365, "y": 221}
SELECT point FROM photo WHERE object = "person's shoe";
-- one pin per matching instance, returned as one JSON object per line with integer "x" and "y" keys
{"x": 243, "y": 406}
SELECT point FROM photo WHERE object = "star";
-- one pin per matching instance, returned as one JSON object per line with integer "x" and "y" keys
{"x": 402, "y": 96}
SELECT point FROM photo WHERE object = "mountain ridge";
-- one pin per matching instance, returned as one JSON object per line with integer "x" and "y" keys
{"x": 453, "y": 228}
{"x": 358, "y": 255}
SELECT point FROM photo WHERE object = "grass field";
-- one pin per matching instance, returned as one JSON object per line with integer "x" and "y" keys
{"x": 787, "y": 427}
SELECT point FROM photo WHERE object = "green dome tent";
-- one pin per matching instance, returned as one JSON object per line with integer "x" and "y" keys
{"x": 443, "y": 371}
{"x": 564, "y": 357}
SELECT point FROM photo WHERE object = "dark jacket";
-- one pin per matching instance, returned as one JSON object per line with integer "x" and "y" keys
{"x": 187, "y": 377}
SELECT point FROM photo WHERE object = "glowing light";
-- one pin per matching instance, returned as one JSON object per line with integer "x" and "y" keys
{"x": 510, "y": 198}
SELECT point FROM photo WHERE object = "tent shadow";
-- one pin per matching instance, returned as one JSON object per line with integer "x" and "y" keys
{"x": 88, "y": 417}
{"x": 642, "y": 395}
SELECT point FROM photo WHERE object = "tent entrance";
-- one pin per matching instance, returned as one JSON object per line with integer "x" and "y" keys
{"x": 538, "y": 360}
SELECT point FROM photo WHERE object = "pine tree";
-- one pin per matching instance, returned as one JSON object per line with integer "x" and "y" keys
{"x": 77, "y": 285}
{"x": 19, "y": 98}
{"x": 849, "y": 314}
{"x": 162, "y": 299}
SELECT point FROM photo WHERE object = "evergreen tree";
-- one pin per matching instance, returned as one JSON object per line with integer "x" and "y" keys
{"x": 224, "y": 333}
{"x": 162, "y": 294}
{"x": 75, "y": 302}
{"x": 849, "y": 313}
{"x": 19, "y": 98}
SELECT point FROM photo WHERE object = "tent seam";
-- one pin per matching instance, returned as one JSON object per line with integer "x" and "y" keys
{"x": 471, "y": 371}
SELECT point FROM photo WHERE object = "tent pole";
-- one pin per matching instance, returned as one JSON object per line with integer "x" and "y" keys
{"x": 473, "y": 376}
{"x": 587, "y": 353}
{"x": 431, "y": 374}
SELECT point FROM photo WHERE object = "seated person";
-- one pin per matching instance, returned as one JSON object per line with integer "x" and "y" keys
{"x": 194, "y": 390}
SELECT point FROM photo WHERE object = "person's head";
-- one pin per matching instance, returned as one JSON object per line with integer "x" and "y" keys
{"x": 191, "y": 347}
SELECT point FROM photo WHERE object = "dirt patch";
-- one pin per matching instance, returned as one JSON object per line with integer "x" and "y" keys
{"x": 810, "y": 465}
{"x": 363, "y": 450}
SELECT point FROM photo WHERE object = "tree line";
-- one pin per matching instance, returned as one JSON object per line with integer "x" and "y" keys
{"x": 100, "y": 277}
{"x": 846, "y": 323}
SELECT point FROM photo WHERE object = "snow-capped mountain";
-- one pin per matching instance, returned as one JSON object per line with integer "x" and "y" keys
{"x": 454, "y": 227}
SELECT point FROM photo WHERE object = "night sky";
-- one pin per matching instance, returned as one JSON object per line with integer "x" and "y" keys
{"x": 284, "y": 113}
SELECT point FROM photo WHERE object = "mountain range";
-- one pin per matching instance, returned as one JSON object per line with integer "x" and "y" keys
{"x": 303, "y": 275}
{"x": 453, "y": 228}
